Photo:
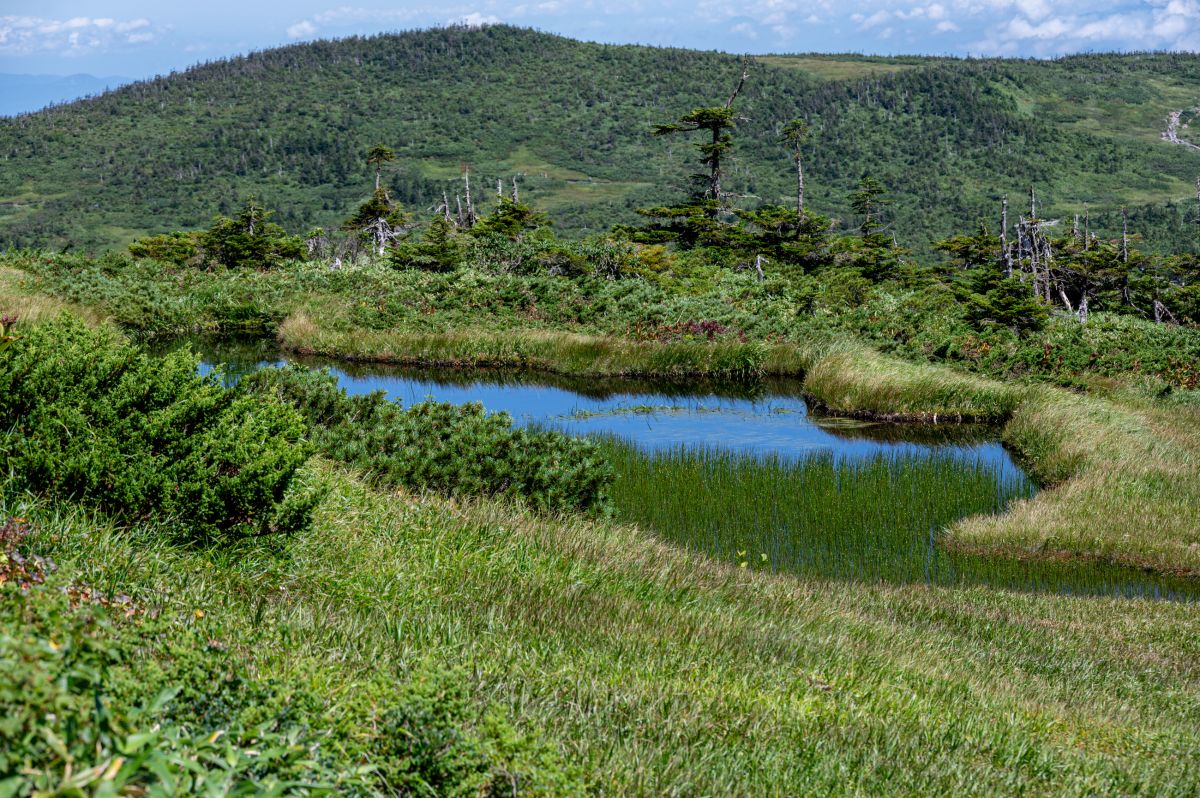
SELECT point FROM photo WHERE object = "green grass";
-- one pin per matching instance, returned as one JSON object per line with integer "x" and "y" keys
{"x": 822, "y": 515}
{"x": 834, "y": 68}
{"x": 1128, "y": 483}
{"x": 830, "y": 517}
{"x": 1119, "y": 462}
{"x": 661, "y": 672}
{"x": 547, "y": 350}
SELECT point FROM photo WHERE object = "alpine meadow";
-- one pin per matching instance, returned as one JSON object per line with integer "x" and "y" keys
{"x": 474, "y": 411}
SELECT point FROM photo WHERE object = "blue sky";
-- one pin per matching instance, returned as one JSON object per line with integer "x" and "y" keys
{"x": 137, "y": 38}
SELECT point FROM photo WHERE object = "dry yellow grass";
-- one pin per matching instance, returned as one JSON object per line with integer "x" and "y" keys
{"x": 29, "y": 307}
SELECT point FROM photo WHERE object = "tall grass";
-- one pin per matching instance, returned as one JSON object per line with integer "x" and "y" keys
{"x": 17, "y": 300}
{"x": 856, "y": 381}
{"x": 661, "y": 672}
{"x": 867, "y": 520}
{"x": 552, "y": 351}
{"x": 1127, "y": 485}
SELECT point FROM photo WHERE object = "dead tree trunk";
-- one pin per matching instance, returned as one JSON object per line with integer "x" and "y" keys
{"x": 471, "y": 218}
{"x": 1062, "y": 294}
{"x": 800, "y": 185}
{"x": 1006, "y": 252}
{"x": 1124, "y": 235}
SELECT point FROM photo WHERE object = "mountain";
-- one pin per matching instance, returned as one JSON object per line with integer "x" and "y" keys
{"x": 20, "y": 94}
{"x": 948, "y": 137}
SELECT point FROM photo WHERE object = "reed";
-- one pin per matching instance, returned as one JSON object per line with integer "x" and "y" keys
{"x": 878, "y": 519}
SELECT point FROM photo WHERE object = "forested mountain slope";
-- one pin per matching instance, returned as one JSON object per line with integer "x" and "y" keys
{"x": 292, "y": 125}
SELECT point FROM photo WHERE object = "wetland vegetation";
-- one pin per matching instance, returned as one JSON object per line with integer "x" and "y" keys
{"x": 772, "y": 505}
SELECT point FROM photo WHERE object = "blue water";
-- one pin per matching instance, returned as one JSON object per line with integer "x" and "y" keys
{"x": 765, "y": 418}
{"x": 777, "y": 422}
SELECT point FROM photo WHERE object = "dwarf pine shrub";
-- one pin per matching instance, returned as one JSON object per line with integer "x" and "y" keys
{"x": 90, "y": 417}
{"x": 453, "y": 449}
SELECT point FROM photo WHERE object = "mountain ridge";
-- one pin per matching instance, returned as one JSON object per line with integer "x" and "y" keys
{"x": 291, "y": 125}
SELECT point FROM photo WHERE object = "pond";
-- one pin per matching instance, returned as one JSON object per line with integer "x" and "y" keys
{"x": 748, "y": 474}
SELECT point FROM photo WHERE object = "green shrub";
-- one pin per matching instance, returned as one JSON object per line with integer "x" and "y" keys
{"x": 85, "y": 711}
{"x": 177, "y": 248}
{"x": 454, "y": 449}
{"x": 95, "y": 419}
{"x": 429, "y": 742}
{"x": 249, "y": 240}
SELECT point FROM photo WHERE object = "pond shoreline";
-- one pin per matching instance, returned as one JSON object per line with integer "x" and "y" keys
{"x": 1083, "y": 452}
{"x": 804, "y": 492}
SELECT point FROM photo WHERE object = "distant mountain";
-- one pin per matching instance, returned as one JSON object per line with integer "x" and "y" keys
{"x": 21, "y": 94}
{"x": 948, "y": 137}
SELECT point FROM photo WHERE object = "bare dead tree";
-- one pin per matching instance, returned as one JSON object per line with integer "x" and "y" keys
{"x": 1162, "y": 313}
{"x": 1124, "y": 234}
{"x": 383, "y": 233}
{"x": 471, "y": 217}
{"x": 741, "y": 83}
{"x": 1008, "y": 261}
{"x": 515, "y": 191}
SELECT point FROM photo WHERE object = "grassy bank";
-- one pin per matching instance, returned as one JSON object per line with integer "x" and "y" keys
{"x": 1128, "y": 485}
{"x": 553, "y": 351}
{"x": 660, "y": 672}
{"x": 1116, "y": 460}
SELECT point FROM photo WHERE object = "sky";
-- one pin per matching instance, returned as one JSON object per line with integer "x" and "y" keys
{"x": 140, "y": 39}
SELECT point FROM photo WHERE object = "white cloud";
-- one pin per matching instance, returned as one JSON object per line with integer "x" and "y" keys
{"x": 26, "y": 35}
{"x": 301, "y": 30}
{"x": 475, "y": 20}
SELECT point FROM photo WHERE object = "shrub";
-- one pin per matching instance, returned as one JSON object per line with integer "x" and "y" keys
{"x": 95, "y": 419}
{"x": 249, "y": 240}
{"x": 429, "y": 743}
{"x": 177, "y": 248}
{"x": 454, "y": 449}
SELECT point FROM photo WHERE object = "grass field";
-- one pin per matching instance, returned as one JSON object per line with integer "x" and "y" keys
{"x": 653, "y": 668}
{"x": 660, "y": 672}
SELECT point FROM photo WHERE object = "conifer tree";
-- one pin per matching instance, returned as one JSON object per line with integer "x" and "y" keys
{"x": 377, "y": 156}
{"x": 795, "y": 133}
